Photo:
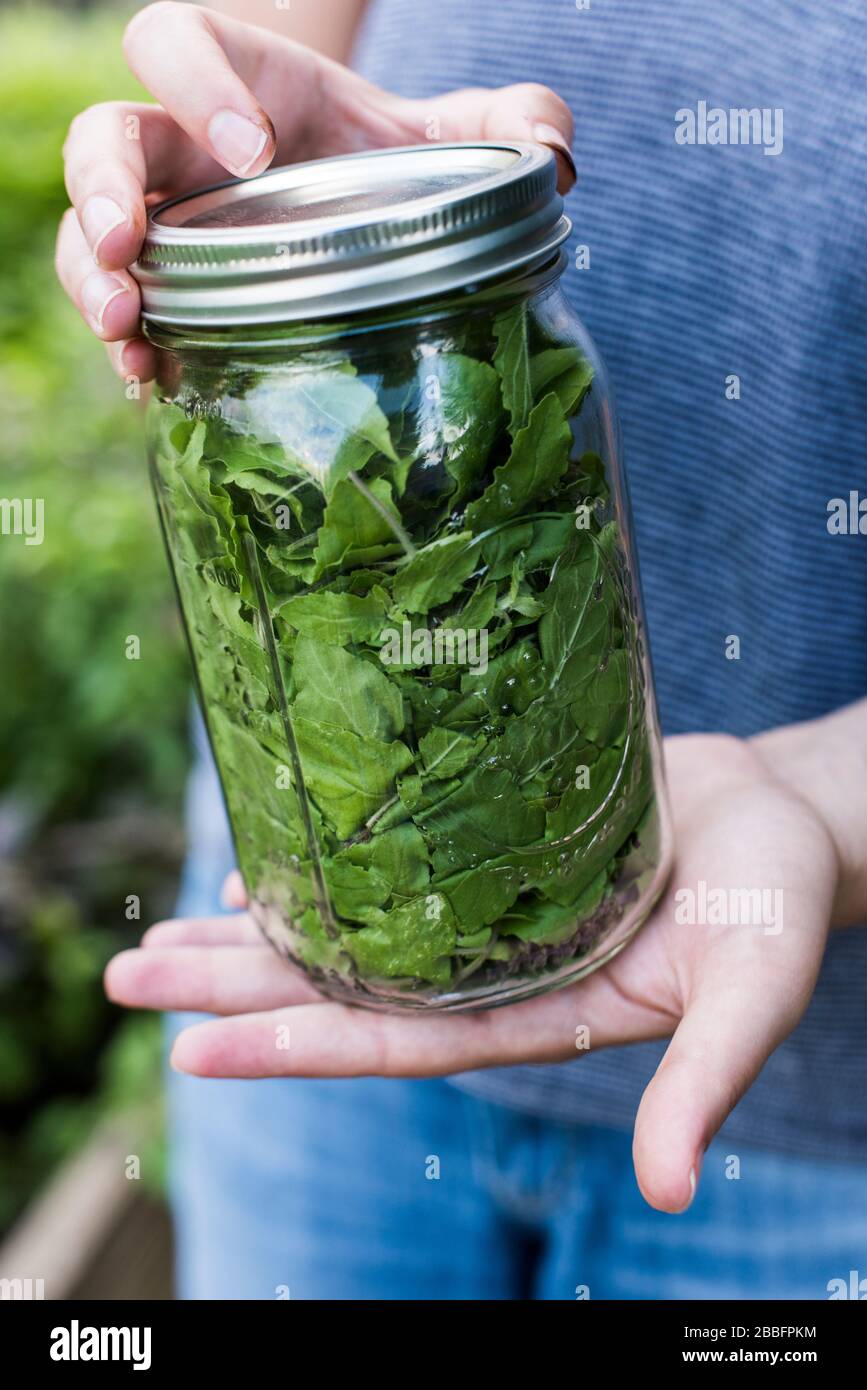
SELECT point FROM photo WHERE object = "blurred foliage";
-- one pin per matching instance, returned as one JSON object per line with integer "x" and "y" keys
{"x": 92, "y": 744}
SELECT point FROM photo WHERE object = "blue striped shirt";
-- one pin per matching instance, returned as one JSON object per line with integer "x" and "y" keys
{"x": 709, "y": 260}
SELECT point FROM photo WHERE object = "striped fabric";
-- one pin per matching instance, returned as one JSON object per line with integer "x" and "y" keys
{"x": 707, "y": 260}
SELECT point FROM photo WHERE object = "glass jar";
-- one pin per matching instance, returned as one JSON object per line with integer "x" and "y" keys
{"x": 387, "y": 469}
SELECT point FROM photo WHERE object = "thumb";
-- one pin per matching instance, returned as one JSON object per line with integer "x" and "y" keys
{"x": 526, "y": 111}
{"x": 730, "y": 1029}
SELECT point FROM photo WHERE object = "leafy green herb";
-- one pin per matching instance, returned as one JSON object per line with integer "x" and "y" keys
{"x": 539, "y": 458}
{"x": 415, "y": 939}
{"x": 433, "y": 575}
{"x": 331, "y": 616}
{"x": 512, "y": 361}
{"x": 562, "y": 370}
{"x": 461, "y": 416}
{"x": 430, "y": 820}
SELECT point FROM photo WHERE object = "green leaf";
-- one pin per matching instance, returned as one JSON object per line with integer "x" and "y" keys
{"x": 602, "y": 699}
{"x": 399, "y": 856}
{"x": 272, "y": 824}
{"x": 581, "y": 623}
{"x": 543, "y": 747}
{"x": 578, "y": 803}
{"x": 512, "y": 681}
{"x": 413, "y": 941}
{"x": 327, "y": 421}
{"x": 349, "y": 777}
{"x": 356, "y": 892}
{"x": 336, "y": 618}
{"x": 480, "y": 896}
{"x": 357, "y": 529}
{"x": 435, "y": 573}
{"x": 483, "y": 818}
{"x": 539, "y": 458}
{"x": 512, "y": 361}
{"x": 460, "y": 416}
{"x": 334, "y": 687}
{"x": 477, "y": 612}
{"x": 542, "y": 922}
{"x": 539, "y": 543}
{"x": 592, "y": 479}
{"x": 566, "y": 372}
{"x": 428, "y": 703}
{"x": 445, "y": 752}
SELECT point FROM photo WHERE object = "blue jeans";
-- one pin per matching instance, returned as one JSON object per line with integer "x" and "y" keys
{"x": 374, "y": 1189}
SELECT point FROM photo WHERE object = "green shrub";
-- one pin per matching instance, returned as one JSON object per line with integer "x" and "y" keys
{"x": 93, "y": 748}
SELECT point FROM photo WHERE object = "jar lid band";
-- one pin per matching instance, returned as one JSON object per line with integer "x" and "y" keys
{"x": 341, "y": 235}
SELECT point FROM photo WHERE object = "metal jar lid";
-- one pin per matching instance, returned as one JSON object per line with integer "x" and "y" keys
{"x": 340, "y": 235}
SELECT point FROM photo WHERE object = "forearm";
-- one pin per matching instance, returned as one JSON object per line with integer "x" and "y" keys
{"x": 825, "y": 762}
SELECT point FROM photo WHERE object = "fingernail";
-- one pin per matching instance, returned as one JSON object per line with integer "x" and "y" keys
{"x": 693, "y": 1183}
{"x": 97, "y": 292}
{"x": 236, "y": 141}
{"x": 550, "y": 135}
{"x": 99, "y": 216}
{"x": 233, "y": 894}
{"x": 121, "y": 357}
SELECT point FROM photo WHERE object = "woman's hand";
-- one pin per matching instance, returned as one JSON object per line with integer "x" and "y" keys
{"x": 728, "y": 994}
{"x": 235, "y": 97}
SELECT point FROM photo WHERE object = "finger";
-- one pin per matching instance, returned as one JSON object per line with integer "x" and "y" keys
{"x": 526, "y": 111}
{"x": 191, "y": 58}
{"x": 235, "y": 929}
{"x": 115, "y": 154}
{"x": 748, "y": 1001}
{"x": 333, "y": 1040}
{"x": 105, "y": 176}
{"x": 108, "y": 301}
{"x": 234, "y": 893}
{"x": 213, "y": 980}
{"x": 134, "y": 359}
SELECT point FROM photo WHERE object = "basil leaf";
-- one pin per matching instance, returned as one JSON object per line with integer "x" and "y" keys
{"x": 512, "y": 361}
{"x": 419, "y": 822}
{"x": 566, "y": 372}
{"x": 480, "y": 896}
{"x": 435, "y": 573}
{"x": 334, "y": 687}
{"x": 359, "y": 527}
{"x": 446, "y": 752}
{"x": 399, "y": 856}
{"x": 356, "y": 892}
{"x": 349, "y": 777}
{"x": 412, "y": 941}
{"x": 327, "y": 421}
{"x": 336, "y": 617}
{"x": 459, "y": 416}
{"x": 539, "y": 458}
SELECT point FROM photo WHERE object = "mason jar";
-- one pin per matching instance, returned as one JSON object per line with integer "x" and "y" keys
{"x": 387, "y": 468}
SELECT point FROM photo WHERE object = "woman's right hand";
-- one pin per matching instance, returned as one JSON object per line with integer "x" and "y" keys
{"x": 235, "y": 97}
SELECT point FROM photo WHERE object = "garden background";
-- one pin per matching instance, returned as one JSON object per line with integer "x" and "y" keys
{"x": 93, "y": 751}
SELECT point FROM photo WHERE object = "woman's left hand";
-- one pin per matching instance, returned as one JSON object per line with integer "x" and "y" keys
{"x": 726, "y": 995}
